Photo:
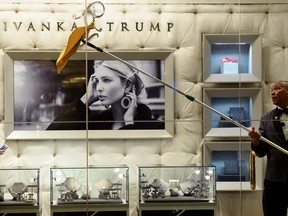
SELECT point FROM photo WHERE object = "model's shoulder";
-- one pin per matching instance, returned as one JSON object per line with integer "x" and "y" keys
{"x": 102, "y": 114}
{"x": 143, "y": 108}
{"x": 142, "y": 105}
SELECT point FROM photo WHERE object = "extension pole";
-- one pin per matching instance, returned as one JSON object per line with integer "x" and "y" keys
{"x": 189, "y": 97}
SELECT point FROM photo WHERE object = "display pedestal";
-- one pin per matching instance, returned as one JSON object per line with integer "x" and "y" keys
{"x": 13, "y": 210}
{"x": 177, "y": 208}
{"x": 92, "y": 209}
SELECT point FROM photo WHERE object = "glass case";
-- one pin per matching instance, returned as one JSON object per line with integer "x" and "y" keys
{"x": 19, "y": 187}
{"x": 177, "y": 184}
{"x": 95, "y": 185}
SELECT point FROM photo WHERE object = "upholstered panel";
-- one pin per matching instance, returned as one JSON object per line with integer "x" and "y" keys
{"x": 190, "y": 21}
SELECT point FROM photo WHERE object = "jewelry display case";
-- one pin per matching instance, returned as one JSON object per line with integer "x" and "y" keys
{"x": 81, "y": 189}
{"x": 177, "y": 183}
{"x": 162, "y": 189}
{"x": 19, "y": 191}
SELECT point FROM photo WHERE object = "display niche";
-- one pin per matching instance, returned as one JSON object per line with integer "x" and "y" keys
{"x": 241, "y": 105}
{"x": 232, "y": 162}
{"x": 232, "y": 58}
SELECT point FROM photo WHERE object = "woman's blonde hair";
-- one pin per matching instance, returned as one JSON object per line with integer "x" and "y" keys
{"x": 126, "y": 73}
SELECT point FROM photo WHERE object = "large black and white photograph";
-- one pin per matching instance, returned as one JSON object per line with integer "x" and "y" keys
{"x": 93, "y": 92}
{"x": 117, "y": 96}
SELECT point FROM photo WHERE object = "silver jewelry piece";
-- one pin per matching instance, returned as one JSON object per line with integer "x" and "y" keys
{"x": 126, "y": 102}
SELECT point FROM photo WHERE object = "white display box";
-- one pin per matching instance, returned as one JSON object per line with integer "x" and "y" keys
{"x": 229, "y": 68}
{"x": 247, "y": 48}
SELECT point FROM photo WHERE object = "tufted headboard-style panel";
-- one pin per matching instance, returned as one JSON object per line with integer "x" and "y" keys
{"x": 179, "y": 30}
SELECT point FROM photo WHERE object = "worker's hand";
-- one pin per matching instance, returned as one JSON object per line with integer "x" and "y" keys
{"x": 255, "y": 136}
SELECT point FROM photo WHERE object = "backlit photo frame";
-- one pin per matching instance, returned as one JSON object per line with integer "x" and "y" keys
{"x": 35, "y": 94}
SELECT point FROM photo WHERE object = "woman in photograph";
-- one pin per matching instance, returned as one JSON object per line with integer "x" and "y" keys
{"x": 119, "y": 89}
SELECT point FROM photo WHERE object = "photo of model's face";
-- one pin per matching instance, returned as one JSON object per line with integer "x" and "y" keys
{"x": 43, "y": 106}
{"x": 109, "y": 87}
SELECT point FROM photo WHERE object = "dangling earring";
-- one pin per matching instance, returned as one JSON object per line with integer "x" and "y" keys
{"x": 126, "y": 102}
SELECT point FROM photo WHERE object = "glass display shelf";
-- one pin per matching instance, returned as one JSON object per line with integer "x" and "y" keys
{"x": 232, "y": 58}
{"x": 19, "y": 186}
{"x": 166, "y": 184}
{"x": 19, "y": 191}
{"x": 232, "y": 162}
{"x": 93, "y": 185}
{"x": 242, "y": 105}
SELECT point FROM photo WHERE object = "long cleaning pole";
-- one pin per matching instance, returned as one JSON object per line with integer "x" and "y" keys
{"x": 189, "y": 97}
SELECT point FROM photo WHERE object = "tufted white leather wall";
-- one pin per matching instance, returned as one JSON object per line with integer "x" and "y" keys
{"x": 190, "y": 22}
